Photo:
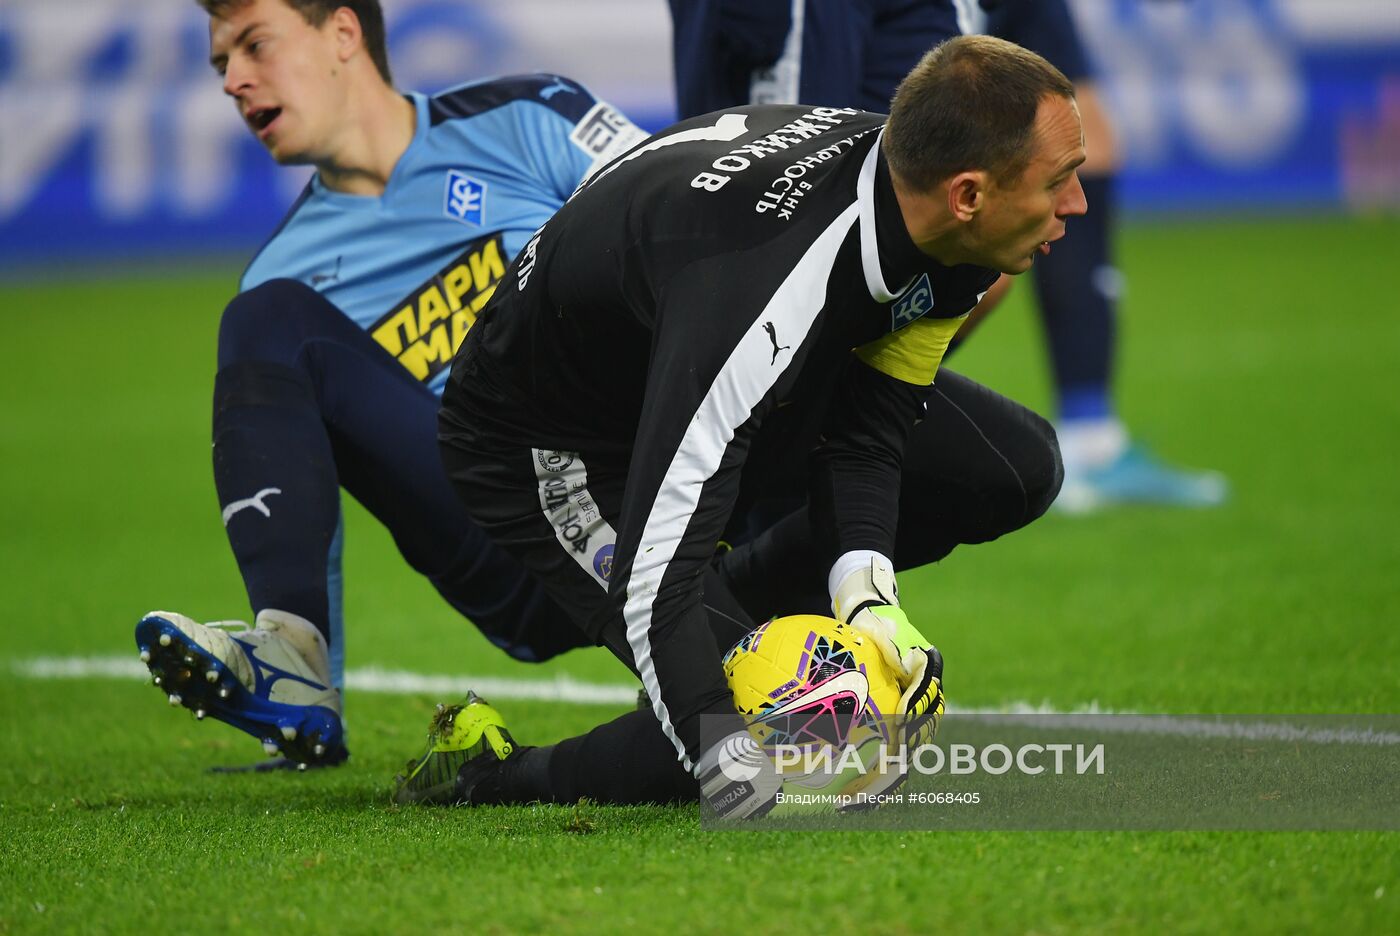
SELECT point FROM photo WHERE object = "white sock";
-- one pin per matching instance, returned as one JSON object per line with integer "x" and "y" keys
{"x": 1086, "y": 444}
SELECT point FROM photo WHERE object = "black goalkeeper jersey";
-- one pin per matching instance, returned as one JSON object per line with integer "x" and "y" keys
{"x": 738, "y": 277}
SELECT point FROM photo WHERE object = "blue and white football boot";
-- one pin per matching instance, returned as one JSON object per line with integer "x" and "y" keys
{"x": 1137, "y": 476}
{"x": 271, "y": 680}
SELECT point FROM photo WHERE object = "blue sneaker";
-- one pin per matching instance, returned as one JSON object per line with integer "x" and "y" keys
{"x": 1138, "y": 477}
{"x": 271, "y": 680}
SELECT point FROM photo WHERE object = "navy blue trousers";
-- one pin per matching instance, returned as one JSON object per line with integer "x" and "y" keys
{"x": 306, "y": 402}
{"x": 839, "y": 53}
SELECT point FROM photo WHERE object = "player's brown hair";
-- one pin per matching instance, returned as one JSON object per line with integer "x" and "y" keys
{"x": 969, "y": 104}
{"x": 369, "y": 12}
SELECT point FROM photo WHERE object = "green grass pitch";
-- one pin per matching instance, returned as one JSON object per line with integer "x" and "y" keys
{"x": 1267, "y": 349}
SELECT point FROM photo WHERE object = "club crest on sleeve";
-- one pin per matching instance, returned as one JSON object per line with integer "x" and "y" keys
{"x": 915, "y": 302}
{"x": 465, "y": 199}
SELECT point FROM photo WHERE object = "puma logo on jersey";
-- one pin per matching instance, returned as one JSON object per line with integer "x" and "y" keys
{"x": 560, "y": 86}
{"x": 255, "y": 502}
{"x": 773, "y": 337}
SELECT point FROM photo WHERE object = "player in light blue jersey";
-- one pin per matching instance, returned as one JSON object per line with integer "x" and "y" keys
{"x": 335, "y": 351}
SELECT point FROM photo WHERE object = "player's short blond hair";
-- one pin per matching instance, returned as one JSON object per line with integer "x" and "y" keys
{"x": 969, "y": 104}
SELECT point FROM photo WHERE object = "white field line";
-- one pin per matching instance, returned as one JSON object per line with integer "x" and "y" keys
{"x": 565, "y": 689}
{"x": 365, "y": 679}
{"x": 1195, "y": 726}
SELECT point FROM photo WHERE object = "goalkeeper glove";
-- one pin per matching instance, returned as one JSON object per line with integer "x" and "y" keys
{"x": 921, "y": 705}
{"x": 868, "y": 600}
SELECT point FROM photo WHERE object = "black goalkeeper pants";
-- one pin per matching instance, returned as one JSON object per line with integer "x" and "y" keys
{"x": 977, "y": 467}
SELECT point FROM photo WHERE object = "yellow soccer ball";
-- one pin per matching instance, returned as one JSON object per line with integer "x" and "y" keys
{"x": 812, "y": 681}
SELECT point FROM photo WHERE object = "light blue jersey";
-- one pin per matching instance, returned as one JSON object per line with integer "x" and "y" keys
{"x": 489, "y": 163}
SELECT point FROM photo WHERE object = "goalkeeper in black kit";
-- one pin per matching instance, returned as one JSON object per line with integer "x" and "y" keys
{"x": 733, "y": 332}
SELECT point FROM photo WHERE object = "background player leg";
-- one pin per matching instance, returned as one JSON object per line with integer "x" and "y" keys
{"x": 1077, "y": 288}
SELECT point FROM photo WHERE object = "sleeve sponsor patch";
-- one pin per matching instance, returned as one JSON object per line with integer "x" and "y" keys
{"x": 425, "y": 329}
{"x": 578, "y": 522}
{"x": 604, "y": 133}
